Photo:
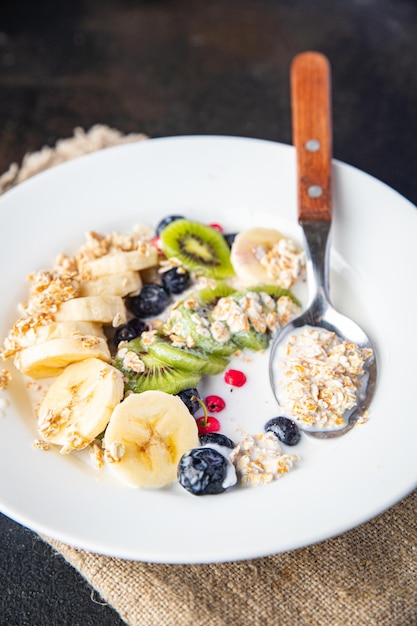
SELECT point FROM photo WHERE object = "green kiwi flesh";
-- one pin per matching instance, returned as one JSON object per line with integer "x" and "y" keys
{"x": 209, "y": 296}
{"x": 183, "y": 358}
{"x": 251, "y": 340}
{"x": 188, "y": 359}
{"x": 200, "y": 248}
{"x": 156, "y": 375}
{"x": 187, "y": 324}
{"x": 216, "y": 364}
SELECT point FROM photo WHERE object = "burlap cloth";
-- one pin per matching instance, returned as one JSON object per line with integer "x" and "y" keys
{"x": 366, "y": 576}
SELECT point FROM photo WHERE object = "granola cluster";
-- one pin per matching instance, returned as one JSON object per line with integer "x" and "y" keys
{"x": 5, "y": 378}
{"x": 284, "y": 262}
{"x": 131, "y": 361}
{"x": 320, "y": 377}
{"x": 48, "y": 290}
{"x": 98, "y": 245}
{"x": 254, "y": 309}
{"x": 259, "y": 459}
{"x": 24, "y": 333}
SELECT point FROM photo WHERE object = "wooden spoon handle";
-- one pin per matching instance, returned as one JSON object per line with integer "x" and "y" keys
{"x": 312, "y": 134}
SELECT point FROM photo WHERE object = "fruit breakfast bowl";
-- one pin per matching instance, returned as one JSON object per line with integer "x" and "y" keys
{"x": 238, "y": 184}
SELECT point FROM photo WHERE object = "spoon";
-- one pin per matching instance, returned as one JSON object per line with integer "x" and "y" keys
{"x": 312, "y": 138}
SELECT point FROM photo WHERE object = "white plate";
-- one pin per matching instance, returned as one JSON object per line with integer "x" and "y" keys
{"x": 239, "y": 183}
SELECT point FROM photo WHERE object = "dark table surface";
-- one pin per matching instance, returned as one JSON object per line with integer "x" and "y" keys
{"x": 175, "y": 67}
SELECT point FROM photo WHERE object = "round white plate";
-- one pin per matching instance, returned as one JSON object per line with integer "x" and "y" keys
{"x": 240, "y": 183}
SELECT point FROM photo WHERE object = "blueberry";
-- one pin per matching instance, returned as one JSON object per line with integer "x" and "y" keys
{"x": 134, "y": 328}
{"x": 230, "y": 237}
{"x": 167, "y": 220}
{"x": 187, "y": 397}
{"x": 202, "y": 471}
{"x": 217, "y": 438}
{"x": 285, "y": 429}
{"x": 152, "y": 300}
{"x": 176, "y": 280}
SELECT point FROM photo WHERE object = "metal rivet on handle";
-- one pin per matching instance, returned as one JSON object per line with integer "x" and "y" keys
{"x": 315, "y": 191}
{"x": 312, "y": 145}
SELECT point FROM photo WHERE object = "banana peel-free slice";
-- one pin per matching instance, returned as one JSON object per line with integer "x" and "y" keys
{"x": 248, "y": 247}
{"x": 100, "y": 309}
{"x": 120, "y": 284}
{"x": 78, "y": 404}
{"x": 41, "y": 332}
{"x": 52, "y": 357}
{"x": 124, "y": 261}
{"x": 264, "y": 255}
{"x": 147, "y": 435}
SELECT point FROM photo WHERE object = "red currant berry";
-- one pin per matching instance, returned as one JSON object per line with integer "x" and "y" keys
{"x": 207, "y": 424}
{"x": 217, "y": 227}
{"x": 235, "y": 378}
{"x": 215, "y": 404}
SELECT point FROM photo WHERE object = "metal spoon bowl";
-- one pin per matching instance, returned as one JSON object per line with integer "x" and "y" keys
{"x": 320, "y": 313}
{"x": 311, "y": 113}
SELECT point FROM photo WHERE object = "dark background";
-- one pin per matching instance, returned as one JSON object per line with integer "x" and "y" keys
{"x": 174, "y": 67}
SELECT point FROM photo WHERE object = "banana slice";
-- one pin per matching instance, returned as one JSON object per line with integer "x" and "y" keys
{"x": 79, "y": 403}
{"x": 265, "y": 256}
{"x": 147, "y": 435}
{"x": 117, "y": 262}
{"x": 247, "y": 250}
{"x": 51, "y": 357}
{"x": 57, "y": 330}
{"x": 101, "y": 309}
{"x": 120, "y": 284}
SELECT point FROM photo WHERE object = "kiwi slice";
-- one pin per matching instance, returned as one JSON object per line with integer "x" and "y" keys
{"x": 156, "y": 373}
{"x": 200, "y": 248}
{"x": 188, "y": 358}
{"x": 251, "y": 340}
{"x": 190, "y": 323}
{"x": 183, "y": 358}
{"x": 208, "y": 343}
{"x": 215, "y": 364}
{"x": 209, "y": 296}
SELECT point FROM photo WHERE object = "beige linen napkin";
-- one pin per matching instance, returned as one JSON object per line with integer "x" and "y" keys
{"x": 366, "y": 577}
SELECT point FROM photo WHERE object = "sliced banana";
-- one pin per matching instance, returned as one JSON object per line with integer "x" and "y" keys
{"x": 51, "y": 357}
{"x": 248, "y": 248}
{"x": 147, "y": 435}
{"x": 120, "y": 284}
{"x": 57, "y": 330}
{"x": 78, "y": 405}
{"x": 117, "y": 262}
{"x": 100, "y": 309}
